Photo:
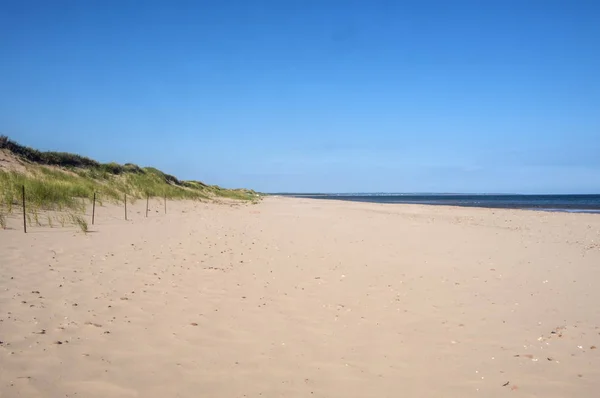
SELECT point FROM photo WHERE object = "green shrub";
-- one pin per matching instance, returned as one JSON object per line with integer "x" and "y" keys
{"x": 50, "y": 158}
{"x": 112, "y": 168}
{"x": 133, "y": 168}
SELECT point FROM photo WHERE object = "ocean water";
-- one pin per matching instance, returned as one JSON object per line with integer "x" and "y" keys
{"x": 565, "y": 203}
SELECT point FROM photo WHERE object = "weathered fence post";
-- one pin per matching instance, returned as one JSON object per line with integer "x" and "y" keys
{"x": 125, "y": 207}
{"x": 94, "y": 209}
{"x": 24, "y": 216}
{"x": 147, "y": 200}
{"x": 165, "y": 203}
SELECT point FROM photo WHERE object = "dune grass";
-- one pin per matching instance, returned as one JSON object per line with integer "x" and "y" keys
{"x": 59, "y": 181}
{"x": 237, "y": 194}
{"x": 42, "y": 191}
{"x": 79, "y": 221}
{"x": 62, "y": 189}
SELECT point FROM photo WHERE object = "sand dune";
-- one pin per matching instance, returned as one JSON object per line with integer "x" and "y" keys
{"x": 298, "y": 298}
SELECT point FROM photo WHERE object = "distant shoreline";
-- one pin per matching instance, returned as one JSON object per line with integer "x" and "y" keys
{"x": 574, "y": 203}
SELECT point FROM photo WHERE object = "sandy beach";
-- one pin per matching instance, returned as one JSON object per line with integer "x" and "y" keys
{"x": 303, "y": 298}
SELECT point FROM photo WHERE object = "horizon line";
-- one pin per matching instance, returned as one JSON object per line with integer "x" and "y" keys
{"x": 429, "y": 193}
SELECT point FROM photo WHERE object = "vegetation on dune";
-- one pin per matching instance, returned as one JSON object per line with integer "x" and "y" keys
{"x": 56, "y": 181}
{"x": 50, "y": 189}
{"x": 238, "y": 194}
{"x": 50, "y": 158}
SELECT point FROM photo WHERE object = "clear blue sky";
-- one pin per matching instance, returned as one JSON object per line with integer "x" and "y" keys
{"x": 314, "y": 95}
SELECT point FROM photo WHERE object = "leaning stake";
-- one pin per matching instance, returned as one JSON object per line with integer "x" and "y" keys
{"x": 24, "y": 217}
{"x": 94, "y": 208}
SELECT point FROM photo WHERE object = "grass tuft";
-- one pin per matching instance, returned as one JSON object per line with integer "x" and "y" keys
{"x": 36, "y": 218}
{"x": 80, "y": 222}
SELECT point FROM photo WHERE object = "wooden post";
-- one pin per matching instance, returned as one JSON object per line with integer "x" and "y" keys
{"x": 24, "y": 211}
{"x": 147, "y": 200}
{"x": 125, "y": 207}
{"x": 165, "y": 203}
{"x": 94, "y": 209}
